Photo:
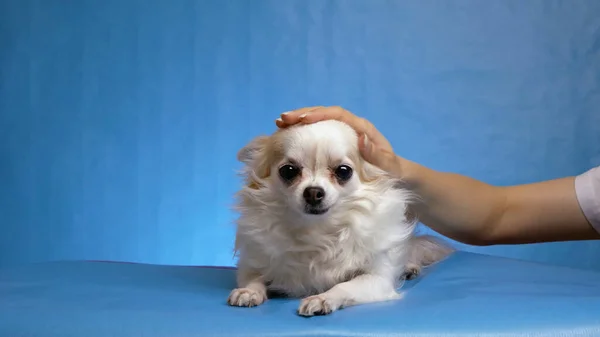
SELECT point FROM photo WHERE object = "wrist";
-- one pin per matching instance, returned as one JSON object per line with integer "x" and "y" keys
{"x": 413, "y": 174}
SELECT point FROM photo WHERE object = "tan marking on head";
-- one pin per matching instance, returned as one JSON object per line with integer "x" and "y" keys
{"x": 252, "y": 184}
{"x": 259, "y": 155}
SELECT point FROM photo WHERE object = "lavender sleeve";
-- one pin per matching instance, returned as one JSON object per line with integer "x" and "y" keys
{"x": 587, "y": 187}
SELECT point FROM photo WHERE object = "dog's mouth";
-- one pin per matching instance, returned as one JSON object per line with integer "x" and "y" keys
{"x": 315, "y": 210}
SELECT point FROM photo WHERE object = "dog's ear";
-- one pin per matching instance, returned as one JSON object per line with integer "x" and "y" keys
{"x": 252, "y": 150}
{"x": 255, "y": 155}
{"x": 370, "y": 173}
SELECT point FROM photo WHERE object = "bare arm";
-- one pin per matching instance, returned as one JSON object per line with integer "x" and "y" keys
{"x": 477, "y": 213}
{"x": 467, "y": 209}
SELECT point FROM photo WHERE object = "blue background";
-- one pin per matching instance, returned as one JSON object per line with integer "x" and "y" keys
{"x": 120, "y": 120}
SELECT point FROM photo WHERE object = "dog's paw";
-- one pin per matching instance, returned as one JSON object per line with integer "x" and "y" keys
{"x": 245, "y": 297}
{"x": 317, "y": 305}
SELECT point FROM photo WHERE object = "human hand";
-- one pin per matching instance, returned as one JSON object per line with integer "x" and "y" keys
{"x": 373, "y": 146}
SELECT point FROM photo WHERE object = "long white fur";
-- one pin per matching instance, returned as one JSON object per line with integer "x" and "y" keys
{"x": 355, "y": 253}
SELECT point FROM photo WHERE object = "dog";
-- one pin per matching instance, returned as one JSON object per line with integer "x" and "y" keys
{"x": 318, "y": 222}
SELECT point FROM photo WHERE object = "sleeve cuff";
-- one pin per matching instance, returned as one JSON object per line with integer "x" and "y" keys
{"x": 587, "y": 188}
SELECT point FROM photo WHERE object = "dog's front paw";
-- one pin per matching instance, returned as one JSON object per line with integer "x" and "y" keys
{"x": 317, "y": 305}
{"x": 245, "y": 297}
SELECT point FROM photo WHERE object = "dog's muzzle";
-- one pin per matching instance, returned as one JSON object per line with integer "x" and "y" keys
{"x": 315, "y": 210}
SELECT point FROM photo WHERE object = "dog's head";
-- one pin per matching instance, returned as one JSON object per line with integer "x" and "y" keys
{"x": 312, "y": 169}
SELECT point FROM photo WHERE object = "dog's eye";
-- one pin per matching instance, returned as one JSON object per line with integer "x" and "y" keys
{"x": 343, "y": 173}
{"x": 289, "y": 172}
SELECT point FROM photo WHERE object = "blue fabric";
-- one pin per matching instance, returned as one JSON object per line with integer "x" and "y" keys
{"x": 120, "y": 119}
{"x": 466, "y": 295}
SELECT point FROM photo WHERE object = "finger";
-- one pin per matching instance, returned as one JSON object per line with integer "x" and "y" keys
{"x": 293, "y": 117}
{"x": 280, "y": 123}
{"x": 315, "y": 114}
{"x": 332, "y": 112}
{"x": 374, "y": 135}
{"x": 383, "y": 159}
{"x": 360, "y": 125}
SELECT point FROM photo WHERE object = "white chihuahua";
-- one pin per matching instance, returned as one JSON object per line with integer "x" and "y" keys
{"x": 319, "y": 222}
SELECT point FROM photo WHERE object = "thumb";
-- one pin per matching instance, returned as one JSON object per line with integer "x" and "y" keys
{"x": 385, "y": 160}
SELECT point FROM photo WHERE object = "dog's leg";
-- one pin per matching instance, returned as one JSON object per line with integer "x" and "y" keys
{"x": 411, "y": 271}
{"x": 366, "y": 288}
{"x": 425, "y": 251}
{"x": 252, "y": 290}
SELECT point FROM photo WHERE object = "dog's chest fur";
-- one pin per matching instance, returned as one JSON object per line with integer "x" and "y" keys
{"x": 308, "y": 263}
{"x": 310, "y": 260}
{"x": 313, "y": 263}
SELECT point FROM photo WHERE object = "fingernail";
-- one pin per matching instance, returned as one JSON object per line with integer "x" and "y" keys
{"x": 279, "y": 120}
{"x": 285, "y": 113}
{"x": 302, "y": 116}
{"x": 366, "y": 141}
{"x": 368, "y": 147}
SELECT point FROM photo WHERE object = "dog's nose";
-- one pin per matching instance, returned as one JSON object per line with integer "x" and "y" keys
{"x": 314, "y": 195}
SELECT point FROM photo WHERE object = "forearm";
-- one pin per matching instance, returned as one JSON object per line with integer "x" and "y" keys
{"x": 474, "y": 212}
{"x": 543, "y": 212}
{"x": 454, "y": 205}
